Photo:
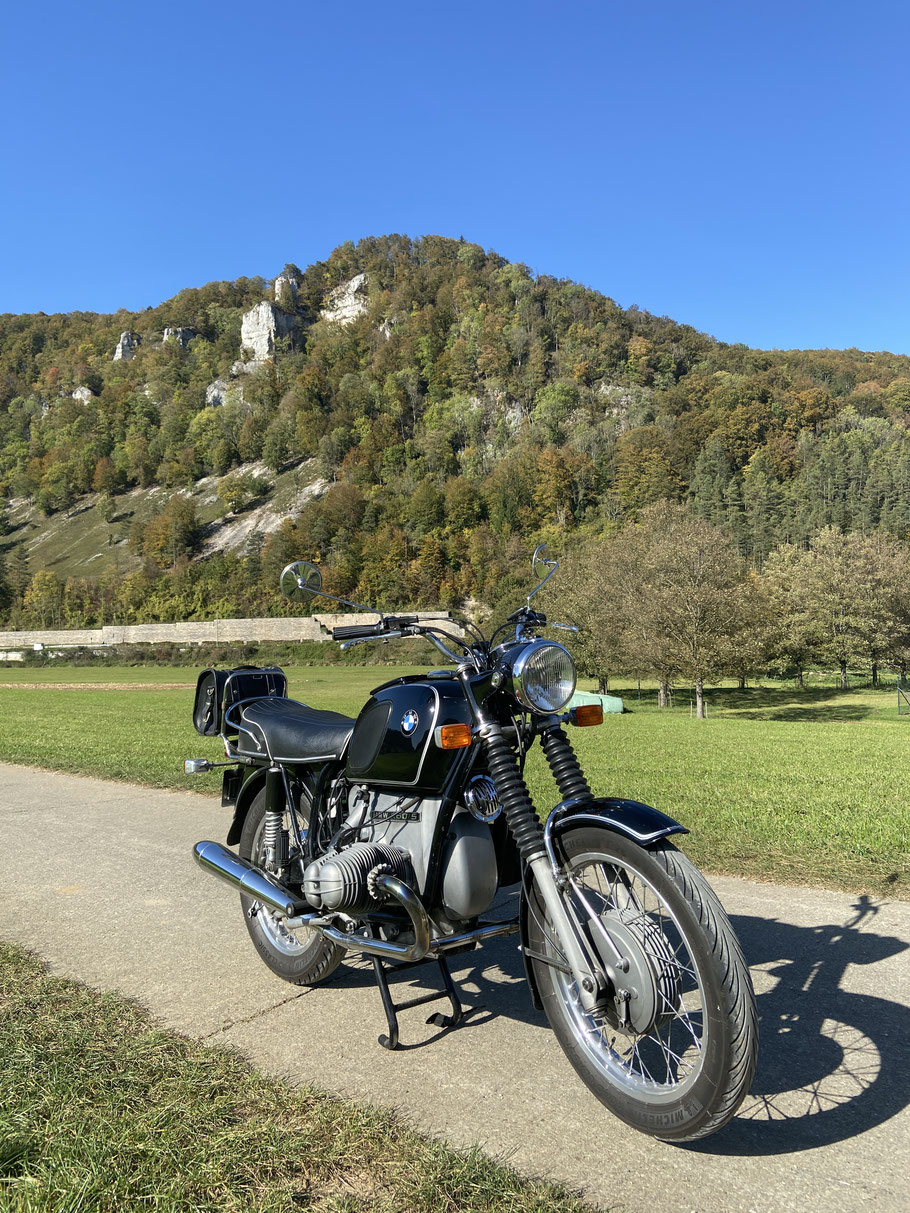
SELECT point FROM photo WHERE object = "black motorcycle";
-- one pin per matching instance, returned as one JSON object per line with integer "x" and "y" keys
{"x": 390, "y": 836}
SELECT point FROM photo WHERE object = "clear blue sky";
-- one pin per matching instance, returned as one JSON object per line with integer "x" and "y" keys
{"x": 740, "y": 167}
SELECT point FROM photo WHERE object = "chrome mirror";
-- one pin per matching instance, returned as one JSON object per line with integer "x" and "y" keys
{"x": 300, "y": 581}
{"x": 543, "y": 562}
{"x": 543, "y": 565}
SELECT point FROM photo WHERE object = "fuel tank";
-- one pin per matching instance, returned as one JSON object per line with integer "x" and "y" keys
{"x": 393, "y": 741}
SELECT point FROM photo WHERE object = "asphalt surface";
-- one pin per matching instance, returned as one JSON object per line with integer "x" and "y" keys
{"x": 98, "y": 878}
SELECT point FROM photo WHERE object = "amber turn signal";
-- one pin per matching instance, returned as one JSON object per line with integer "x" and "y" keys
{"x": 587, "y": 713}
{"x": 453, "y": 736}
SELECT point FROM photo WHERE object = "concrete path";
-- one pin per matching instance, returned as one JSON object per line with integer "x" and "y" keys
{"x": 98, "y": 878}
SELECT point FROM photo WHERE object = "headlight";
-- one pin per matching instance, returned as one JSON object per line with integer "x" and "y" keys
{"x": 543, "y": 676}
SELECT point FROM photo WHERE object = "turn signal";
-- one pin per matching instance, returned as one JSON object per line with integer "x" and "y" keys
{"x": 453, "y": 736}
{"x": 587, "y": 713}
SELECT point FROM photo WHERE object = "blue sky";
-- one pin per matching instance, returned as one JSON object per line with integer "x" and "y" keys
{"x": 743, "y": 168}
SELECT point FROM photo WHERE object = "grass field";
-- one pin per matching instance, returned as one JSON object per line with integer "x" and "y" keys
{"x": 800, "y": 785}
{"x": 102, "y": 1111}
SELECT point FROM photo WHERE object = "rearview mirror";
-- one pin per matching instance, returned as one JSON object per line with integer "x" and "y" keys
{"x": 300, "y": 581}
{"x": 543, "y": 563}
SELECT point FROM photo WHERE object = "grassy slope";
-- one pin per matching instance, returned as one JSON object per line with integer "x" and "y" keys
{"x": 79, "y": 543}
{"x": 101, "y": 1110}
{"x": 806, "y": 787}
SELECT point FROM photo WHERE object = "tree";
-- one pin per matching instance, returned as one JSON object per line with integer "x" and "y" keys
{"x": 684, "y": 594}
{"x": 846, "y": 592}
{"x": 43, "y": 597}
{"x": 235, "y": 492}
{"x": 588, "y": 592}
{"x": 790, "y": 629}
{"x": 172, "y": 534}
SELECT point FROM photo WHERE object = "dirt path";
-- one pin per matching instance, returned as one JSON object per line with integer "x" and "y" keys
{"x": 98, "y": 878}
{"x": 97, "y": 686}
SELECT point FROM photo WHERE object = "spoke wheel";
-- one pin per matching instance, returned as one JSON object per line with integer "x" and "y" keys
{"x": 672, "y": 1048}
{"x": 303, "y": 956}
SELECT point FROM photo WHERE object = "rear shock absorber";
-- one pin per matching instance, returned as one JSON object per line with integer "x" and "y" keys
{"x": 566, "y": 770}
{"x": 274, "y": 836}
{"x": 513, "y": 793}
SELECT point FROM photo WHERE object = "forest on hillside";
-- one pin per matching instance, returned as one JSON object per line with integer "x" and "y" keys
{"x": 467, "y": 411}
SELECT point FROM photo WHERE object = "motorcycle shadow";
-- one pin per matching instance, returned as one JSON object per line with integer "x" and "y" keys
{"x": 832, "y": 1063}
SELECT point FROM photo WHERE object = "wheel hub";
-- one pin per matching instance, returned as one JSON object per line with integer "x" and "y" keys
{"x": 648, "y": 994}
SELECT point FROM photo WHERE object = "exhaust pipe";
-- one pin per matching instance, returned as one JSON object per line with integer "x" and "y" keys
{"x": 219, "y": 861}
{"x": 212, "y": 857}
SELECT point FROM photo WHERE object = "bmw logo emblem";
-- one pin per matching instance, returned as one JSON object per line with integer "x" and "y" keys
{"x": 409, "y": 722}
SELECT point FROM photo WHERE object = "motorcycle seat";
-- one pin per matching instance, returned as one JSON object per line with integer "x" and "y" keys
{"x": 284, "y": 730}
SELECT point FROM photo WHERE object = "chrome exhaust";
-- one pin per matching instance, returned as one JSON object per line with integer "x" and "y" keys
{"x": 219, "y": 861}
{"x": 356, "y": 942}
{"x": 212, "y": 857}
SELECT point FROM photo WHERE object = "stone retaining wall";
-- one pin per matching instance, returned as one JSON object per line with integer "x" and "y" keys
{"x": 217, "y": 631}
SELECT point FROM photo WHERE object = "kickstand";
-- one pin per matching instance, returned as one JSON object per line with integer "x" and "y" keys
{"x": 392, "y": 1008}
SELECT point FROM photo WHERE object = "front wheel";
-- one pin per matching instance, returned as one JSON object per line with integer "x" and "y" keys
{"x": 303, "y": 956}
{"x": 672, "y": 1049}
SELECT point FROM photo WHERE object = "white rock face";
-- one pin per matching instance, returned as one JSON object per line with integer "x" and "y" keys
{"x": 83, "y": 394}
{"x": 286, "y": 280}
{"x": 127, "y": 346}
{"x": 215, "y": 392}
{"x": 262, "y": 326}
{"x": 183, "y": 336}
{"x": 347, "y": 301}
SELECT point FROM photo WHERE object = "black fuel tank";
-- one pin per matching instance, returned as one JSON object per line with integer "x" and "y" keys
{"x": 392, "y": 742}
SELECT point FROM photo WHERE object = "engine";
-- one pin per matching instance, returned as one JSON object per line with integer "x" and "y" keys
{"x": 407, "y": 824}
{"x": 346, "y": 880}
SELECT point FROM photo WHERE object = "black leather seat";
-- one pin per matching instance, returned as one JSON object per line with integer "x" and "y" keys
{"x": 284, "y": 729}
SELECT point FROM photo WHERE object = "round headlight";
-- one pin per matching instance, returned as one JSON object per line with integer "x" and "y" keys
{"x": 543, "y": 676}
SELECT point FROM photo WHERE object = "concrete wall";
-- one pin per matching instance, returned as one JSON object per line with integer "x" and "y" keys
{"x": 217, "y": 631}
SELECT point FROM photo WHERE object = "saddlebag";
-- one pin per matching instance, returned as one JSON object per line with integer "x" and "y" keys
{"x": 217, "y": 690}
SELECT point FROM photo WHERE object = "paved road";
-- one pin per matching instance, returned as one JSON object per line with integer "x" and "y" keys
{"x": 98, "y": 878}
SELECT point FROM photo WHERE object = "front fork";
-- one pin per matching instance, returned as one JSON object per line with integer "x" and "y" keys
{"x": 549, "y": 878}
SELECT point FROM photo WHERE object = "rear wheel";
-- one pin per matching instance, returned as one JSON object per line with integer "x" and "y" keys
{"x": 302, "y": 956}
{"x": 673, "y": 1049}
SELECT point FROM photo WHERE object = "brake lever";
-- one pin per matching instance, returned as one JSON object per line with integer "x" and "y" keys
{"x": 563, "y": 627}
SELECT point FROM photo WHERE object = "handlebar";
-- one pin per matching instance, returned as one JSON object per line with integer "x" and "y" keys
{"x": 370, "y": 631}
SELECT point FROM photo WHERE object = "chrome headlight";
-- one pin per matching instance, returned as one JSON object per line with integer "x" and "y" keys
{"x": 543, "y": 676}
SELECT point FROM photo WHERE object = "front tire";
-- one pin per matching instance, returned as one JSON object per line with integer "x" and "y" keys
{"x": 303, "y": 956}
{"x": 674, "y": 1055}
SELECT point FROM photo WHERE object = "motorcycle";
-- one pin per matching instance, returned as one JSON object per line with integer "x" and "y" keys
{"x": 389, "y": 836}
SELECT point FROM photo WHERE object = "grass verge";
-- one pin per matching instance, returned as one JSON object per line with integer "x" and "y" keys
{"x": 100, "y": 1109}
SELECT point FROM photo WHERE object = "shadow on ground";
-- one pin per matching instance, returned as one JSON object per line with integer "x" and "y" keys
{"x": 832, "y": 1063}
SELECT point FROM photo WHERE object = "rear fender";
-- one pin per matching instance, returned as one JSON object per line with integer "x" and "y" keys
{"x": 245, "y": 798}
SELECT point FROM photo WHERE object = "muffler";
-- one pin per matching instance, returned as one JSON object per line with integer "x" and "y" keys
{"x": 219, "y": 861}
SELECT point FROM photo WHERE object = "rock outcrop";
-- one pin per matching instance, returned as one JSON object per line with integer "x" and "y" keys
{"x": 83, "y": 394}
{"x": 182, "y": 336}
{"x": 347, "y": 301}
{"x": 286, "y": 288}
{"x": 127, "y": 346}
{"x": 262, "y": 326}
{"x": 216, "y": 392}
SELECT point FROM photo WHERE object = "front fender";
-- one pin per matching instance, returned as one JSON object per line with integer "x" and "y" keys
{"x": 640, "y": 822}
{"x": 637, "y": 821}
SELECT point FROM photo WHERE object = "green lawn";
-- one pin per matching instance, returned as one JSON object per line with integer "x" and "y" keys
{"x": 803, "y": 786}
{"x": 100, "y": 1110}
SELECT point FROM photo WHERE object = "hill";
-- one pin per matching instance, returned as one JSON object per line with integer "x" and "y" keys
{"x": 457, "y": 407}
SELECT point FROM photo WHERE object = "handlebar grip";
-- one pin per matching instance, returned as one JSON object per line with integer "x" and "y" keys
{"x": 357, "y": 631}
